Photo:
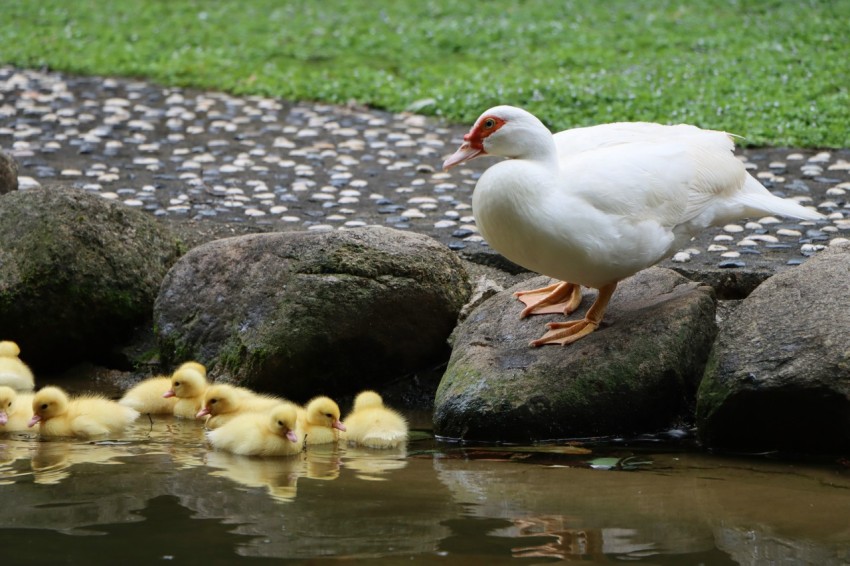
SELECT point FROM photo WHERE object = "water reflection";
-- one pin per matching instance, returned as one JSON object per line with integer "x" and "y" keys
{"x": 426, "y": 500}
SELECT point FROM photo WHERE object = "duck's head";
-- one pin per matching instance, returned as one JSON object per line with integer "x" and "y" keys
{"x": 9, "y": 349}
{"x": 187, "y": 382}
{"x": 367, "y": 400}
{"x": 504, "y": 131}
{"x": 7, "y": 402}
{"x": 323, "y": 411}
{"x": 49, "y": 402}
{"x": 282, "y": 419}
{"x": 218, "y": 399}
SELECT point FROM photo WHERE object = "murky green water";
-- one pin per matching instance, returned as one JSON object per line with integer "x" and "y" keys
{"x": 160, "y": 494}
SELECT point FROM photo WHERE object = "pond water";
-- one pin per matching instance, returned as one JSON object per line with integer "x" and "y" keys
{"x": 160, "y": 494}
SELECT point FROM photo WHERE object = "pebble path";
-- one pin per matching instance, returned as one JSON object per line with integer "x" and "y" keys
{"x": 271, "y": 164}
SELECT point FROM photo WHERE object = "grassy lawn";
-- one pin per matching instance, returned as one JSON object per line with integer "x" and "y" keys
{"x": 776, "y": 72}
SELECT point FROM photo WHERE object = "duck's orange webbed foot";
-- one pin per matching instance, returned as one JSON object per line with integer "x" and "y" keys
{"x": 564, "y": 333}
{"x": 558, "y": 298}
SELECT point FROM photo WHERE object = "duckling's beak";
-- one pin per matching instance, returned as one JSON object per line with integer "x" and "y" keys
{"x": 338, "y": 425}
{"x": 203, "y": 412}
{"x": 4, "y": 418}
{"x": 34, "y": 420}
{"x": 290, "y": 434}
{"x": 169, "y": 393}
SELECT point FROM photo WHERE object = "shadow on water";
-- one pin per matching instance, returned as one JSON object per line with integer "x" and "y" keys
{"x": 160, "y": 494}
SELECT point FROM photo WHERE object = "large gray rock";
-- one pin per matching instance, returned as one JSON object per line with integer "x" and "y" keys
{"x": 779, "y": 374}
{"x": 8, "y": 174}
{"x": 636, "y": 373}
{"x": 78, "y": 273}
{"x": 302, "y": 313}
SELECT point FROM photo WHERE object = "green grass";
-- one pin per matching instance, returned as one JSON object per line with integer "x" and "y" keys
{"x": 776, "y": 72}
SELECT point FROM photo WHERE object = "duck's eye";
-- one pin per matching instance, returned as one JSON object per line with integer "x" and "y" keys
{"x": 489, "y": 123}
{"x": 213, "y": 401}
{"x": 279, "y": 423}
{"x": 330, "y": 416}
{"x": 43, "y": 406}
{"x": 176, "y": 384}
{"x": 9, "y": 404}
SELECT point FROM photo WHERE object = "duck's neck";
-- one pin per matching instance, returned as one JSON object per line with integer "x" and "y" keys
{"x": 538, "y": 147}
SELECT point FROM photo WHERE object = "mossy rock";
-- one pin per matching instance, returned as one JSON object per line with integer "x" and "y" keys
{"x": 778, "y": 377}
{"x": 638, "y": 373}
{"x": 302, "y": 313}
{"x": 79, "y": 273}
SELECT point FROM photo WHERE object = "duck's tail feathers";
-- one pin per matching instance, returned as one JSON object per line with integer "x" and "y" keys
{"x": 759, "y": 200}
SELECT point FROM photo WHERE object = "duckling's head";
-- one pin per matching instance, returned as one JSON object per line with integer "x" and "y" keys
{"x": 282, "y": 419}
{"x": 186, "y": 382}
{"x": 367, "y": 400}
{"x": 194, "y": 366}
{"x": 9, "y": 349}
{"x": 219, "y": 399}
{"x": 49, "y": 402}
{"x": 323, "y": 411}
{"x": 7, "y": 400}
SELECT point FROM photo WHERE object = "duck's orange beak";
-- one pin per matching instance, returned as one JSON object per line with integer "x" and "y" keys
{"x": 464, "y": 153}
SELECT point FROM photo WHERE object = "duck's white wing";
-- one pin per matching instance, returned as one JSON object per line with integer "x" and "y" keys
{"x": 647, "y": 172}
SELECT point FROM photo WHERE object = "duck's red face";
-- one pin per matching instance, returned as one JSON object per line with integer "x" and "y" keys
{"x": 473, "y": 142}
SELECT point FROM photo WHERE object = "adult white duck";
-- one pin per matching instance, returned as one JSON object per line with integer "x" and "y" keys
{"x": 593, "y": 206}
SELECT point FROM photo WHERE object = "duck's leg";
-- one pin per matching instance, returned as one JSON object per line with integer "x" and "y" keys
{"x": 568, "y": 332}
{"x": 561, "y": 297}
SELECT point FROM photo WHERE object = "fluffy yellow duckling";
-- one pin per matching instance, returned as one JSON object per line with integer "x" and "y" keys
{"x": 222, "y": 402}
{"x": 147, "y": 396}
{"x": 373, "y": 425}
{"x": 273, "y": 433}
{"x": 15, "y": 409}
{"x": 188, "y": 384}
{"x": 320, "y": 420}
{"x": 84, "y": 417}
{"x": 13, "y": 372}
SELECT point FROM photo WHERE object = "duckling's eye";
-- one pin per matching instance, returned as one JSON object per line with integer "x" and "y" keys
{"x": 213, "y": 401}
{"x": 9, "y": 404}
{"x": 44, "y": 405}
{"x": 489, "y": 123}
{"x": 176, "y": 384}
{"x": 330, "y": 416}
{"x": 279, "y": 423}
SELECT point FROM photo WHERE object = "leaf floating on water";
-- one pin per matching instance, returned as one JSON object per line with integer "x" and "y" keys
{"x": 629, "y": 463}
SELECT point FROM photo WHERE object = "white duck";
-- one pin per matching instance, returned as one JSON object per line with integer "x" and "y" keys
{"x": 593, "y": 206}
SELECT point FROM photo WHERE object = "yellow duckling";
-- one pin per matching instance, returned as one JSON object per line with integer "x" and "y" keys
{"x": 373, "y": 425}
{"x": 84, "y": 417}
{"x": 188, "y": 384}
{"x": 15, "y": 409}
{"x": 222, "y": 402}
{"x": 13, "y": 372}
{"x": 273, "y": 433}
{"x": 147, "y": 396}
{"x": 320, "y": 420}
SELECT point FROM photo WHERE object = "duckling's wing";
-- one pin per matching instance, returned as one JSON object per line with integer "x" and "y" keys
{"x": 88, "y": 427}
